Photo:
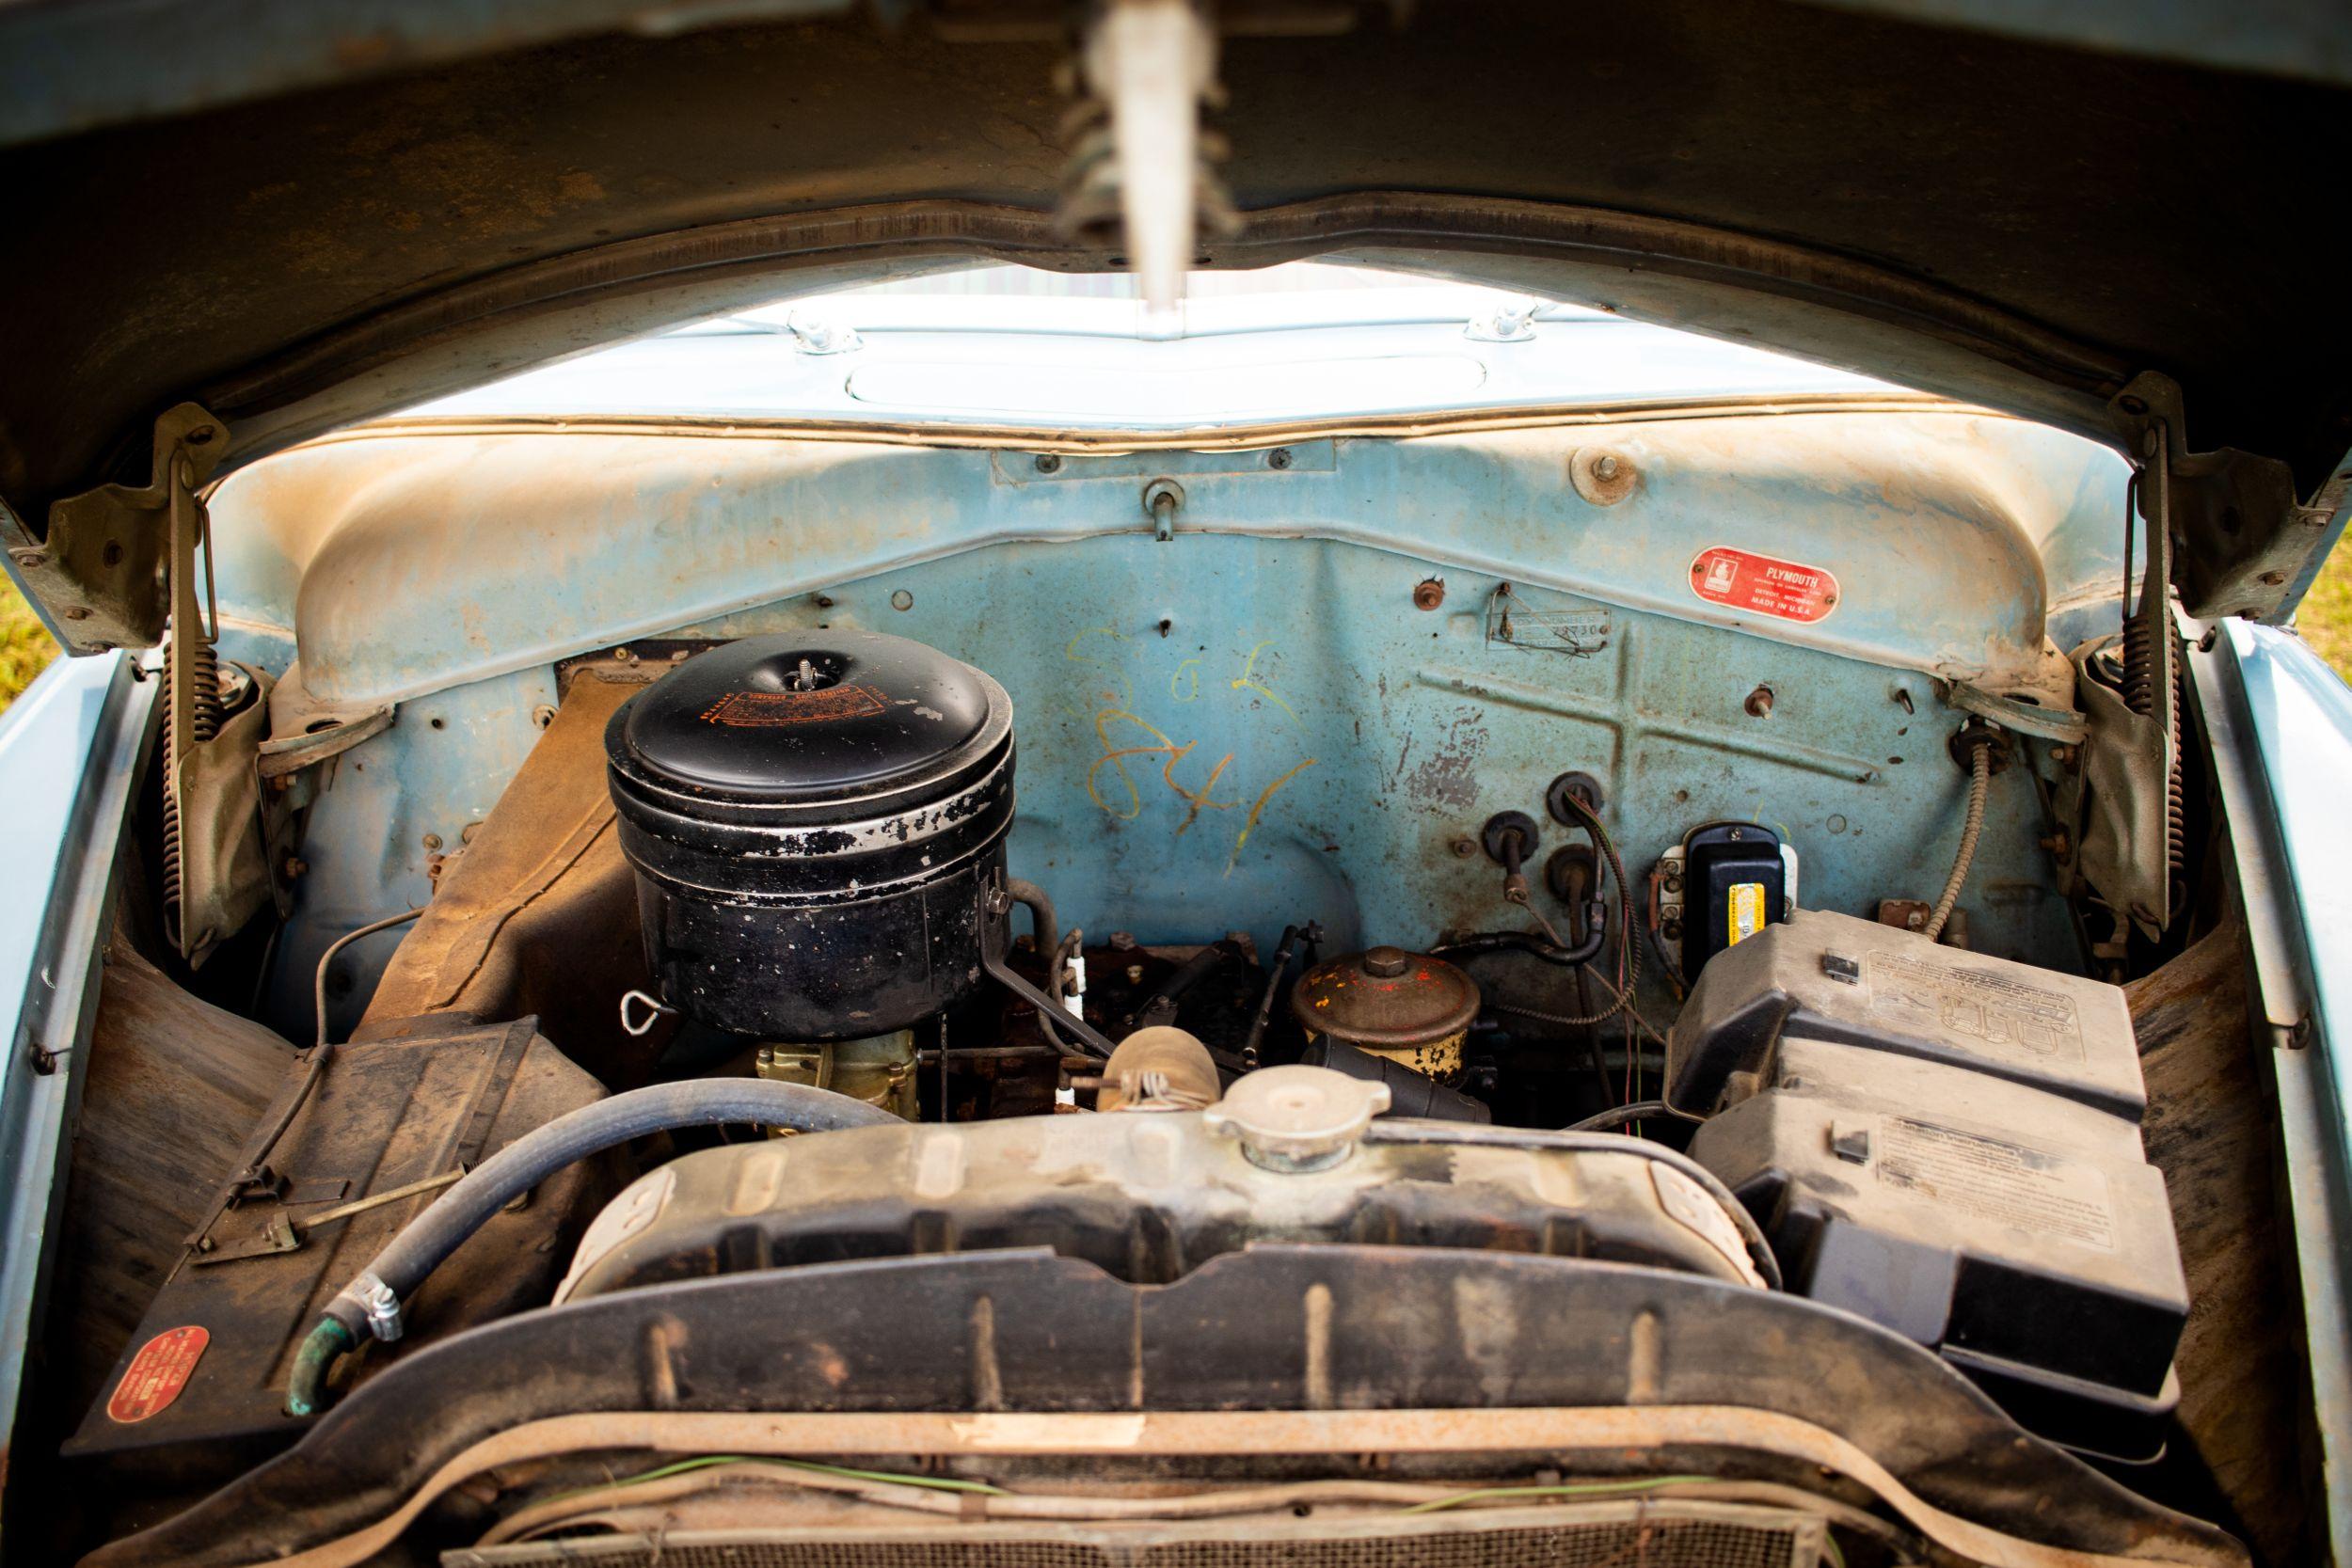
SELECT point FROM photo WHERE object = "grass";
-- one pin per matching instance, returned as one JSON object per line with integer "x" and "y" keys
{"x": 25, "y": 645}
{"x": 2325, "y": 617}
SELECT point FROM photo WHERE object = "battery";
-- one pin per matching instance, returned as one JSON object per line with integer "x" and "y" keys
{"x": 1949, "y": 1144}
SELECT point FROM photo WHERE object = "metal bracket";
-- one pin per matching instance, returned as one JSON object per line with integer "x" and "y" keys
{"x": 2120, "y": 799}
{"x": 99, "y": 576}
{"x": 285, "y": 755}
{"x": 285, "y": 1234}
{"x": 994, "y": 932}
{"x": 2245, "y": 544}
{"x": 1162, "y": 500}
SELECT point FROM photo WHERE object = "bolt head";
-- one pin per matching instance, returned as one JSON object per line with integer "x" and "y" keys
{"x": 1605, "y": 466}
{"x": 1429, "y": 593}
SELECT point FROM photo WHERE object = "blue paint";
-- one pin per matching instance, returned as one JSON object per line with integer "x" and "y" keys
{"x": 1304, "y": 743}
{"x": 2292, "y": 717}
{"x": 69, "y": 749}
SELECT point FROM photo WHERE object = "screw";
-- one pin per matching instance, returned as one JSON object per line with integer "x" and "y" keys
{"x": 1605, "y": 465}
{"x": 2059, "y": 844}
{"x": 1759, "y": 702}
{"x": 296, "y": 866}
{"x": 1429, "y": 593}
{"x": 76, "y": 612}
{"x": 27, "y": 558}
{"x": 433, "y": 841}
{"x": 1463, "y": 845}
{"x": 901, "y": 599}
{"x": 1279, "y": 458}
{"x": 1048, "y": 462}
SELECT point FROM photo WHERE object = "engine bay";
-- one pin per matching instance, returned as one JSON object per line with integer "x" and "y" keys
{"x": 789, "y": 852}
{"x": 1379, "y": 985}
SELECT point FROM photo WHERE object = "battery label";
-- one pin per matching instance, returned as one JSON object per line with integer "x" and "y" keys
{"x": 1997, "y": 1180}
{"x": 1746, "y": 903}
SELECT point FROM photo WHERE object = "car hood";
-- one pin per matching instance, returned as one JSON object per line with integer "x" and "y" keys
{"x": 296, "y": 216}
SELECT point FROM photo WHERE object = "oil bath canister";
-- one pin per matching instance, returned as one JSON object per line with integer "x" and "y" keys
{"x": 814, "y": 819}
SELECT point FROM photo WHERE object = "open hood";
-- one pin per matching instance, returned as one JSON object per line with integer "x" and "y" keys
{"x": 291, "y": 216}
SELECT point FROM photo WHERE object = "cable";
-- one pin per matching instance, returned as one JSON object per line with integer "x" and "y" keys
{"x": 1618, "y": 1116}
{"x": 1979, "y": 785}
{"x": 318, "y": 986}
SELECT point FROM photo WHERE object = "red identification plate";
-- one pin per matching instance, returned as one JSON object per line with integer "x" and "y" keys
{"x": 1762, "y": 585}
{"x": 157, "y": 1373}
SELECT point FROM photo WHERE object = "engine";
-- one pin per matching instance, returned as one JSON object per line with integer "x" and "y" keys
{"x": 790, "y": 874}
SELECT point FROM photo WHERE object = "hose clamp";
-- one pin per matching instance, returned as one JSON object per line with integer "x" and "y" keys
{"x": 381, "y": 1303}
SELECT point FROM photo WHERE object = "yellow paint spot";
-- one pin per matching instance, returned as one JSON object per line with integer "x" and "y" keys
{"x": 1248, "y": 681}
{"x": 1257, "y": 809}
{"x": 1116, "y": 757}
{"x": 1185, "y": 684}
{"x": 1069, "y": 649}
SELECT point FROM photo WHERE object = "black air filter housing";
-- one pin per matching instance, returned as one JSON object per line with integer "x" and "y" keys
{"x": 814, "y": 818}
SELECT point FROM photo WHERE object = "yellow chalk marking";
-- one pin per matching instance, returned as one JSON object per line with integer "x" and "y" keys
{"x": 1248, "y": 681}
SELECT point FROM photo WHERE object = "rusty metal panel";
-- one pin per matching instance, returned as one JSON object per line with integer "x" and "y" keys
{"x": 408, "y": 562}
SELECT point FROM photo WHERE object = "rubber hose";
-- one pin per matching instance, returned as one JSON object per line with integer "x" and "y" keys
{"x": 458, "y": 1213}
{"x": 1979, "y": 785}
{"x": 1483, "y": 943}
{"x": 1045, "y": 930}
{"x": 1618, "y": 1116}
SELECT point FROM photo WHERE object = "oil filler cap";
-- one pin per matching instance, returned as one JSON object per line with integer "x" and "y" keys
{"x": 1296, "y": 1118}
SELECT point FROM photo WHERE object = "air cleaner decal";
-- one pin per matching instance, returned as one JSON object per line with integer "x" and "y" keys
{"x": 761, "y": 710}
{"x": 157, "y": 1373}
{"x": 1763, "y": 585}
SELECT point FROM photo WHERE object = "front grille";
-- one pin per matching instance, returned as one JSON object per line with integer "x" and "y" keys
{"x": 1661, "y": 1534}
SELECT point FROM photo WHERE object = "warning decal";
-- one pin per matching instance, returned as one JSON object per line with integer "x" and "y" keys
{"x": 157, "y": 1373}
{"x": 1992, "y": 1179}
{"x": 767, "y": 709}
{"x": 1762, "y": 585}
{"x": 1746, "y": 900}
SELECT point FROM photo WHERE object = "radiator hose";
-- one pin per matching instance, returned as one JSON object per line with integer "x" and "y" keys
{"x": 371, "y": 1303}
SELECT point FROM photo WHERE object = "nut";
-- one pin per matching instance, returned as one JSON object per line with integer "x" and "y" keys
{"x": 1759, "y": 702}
{"x": 1429, "y": 593}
